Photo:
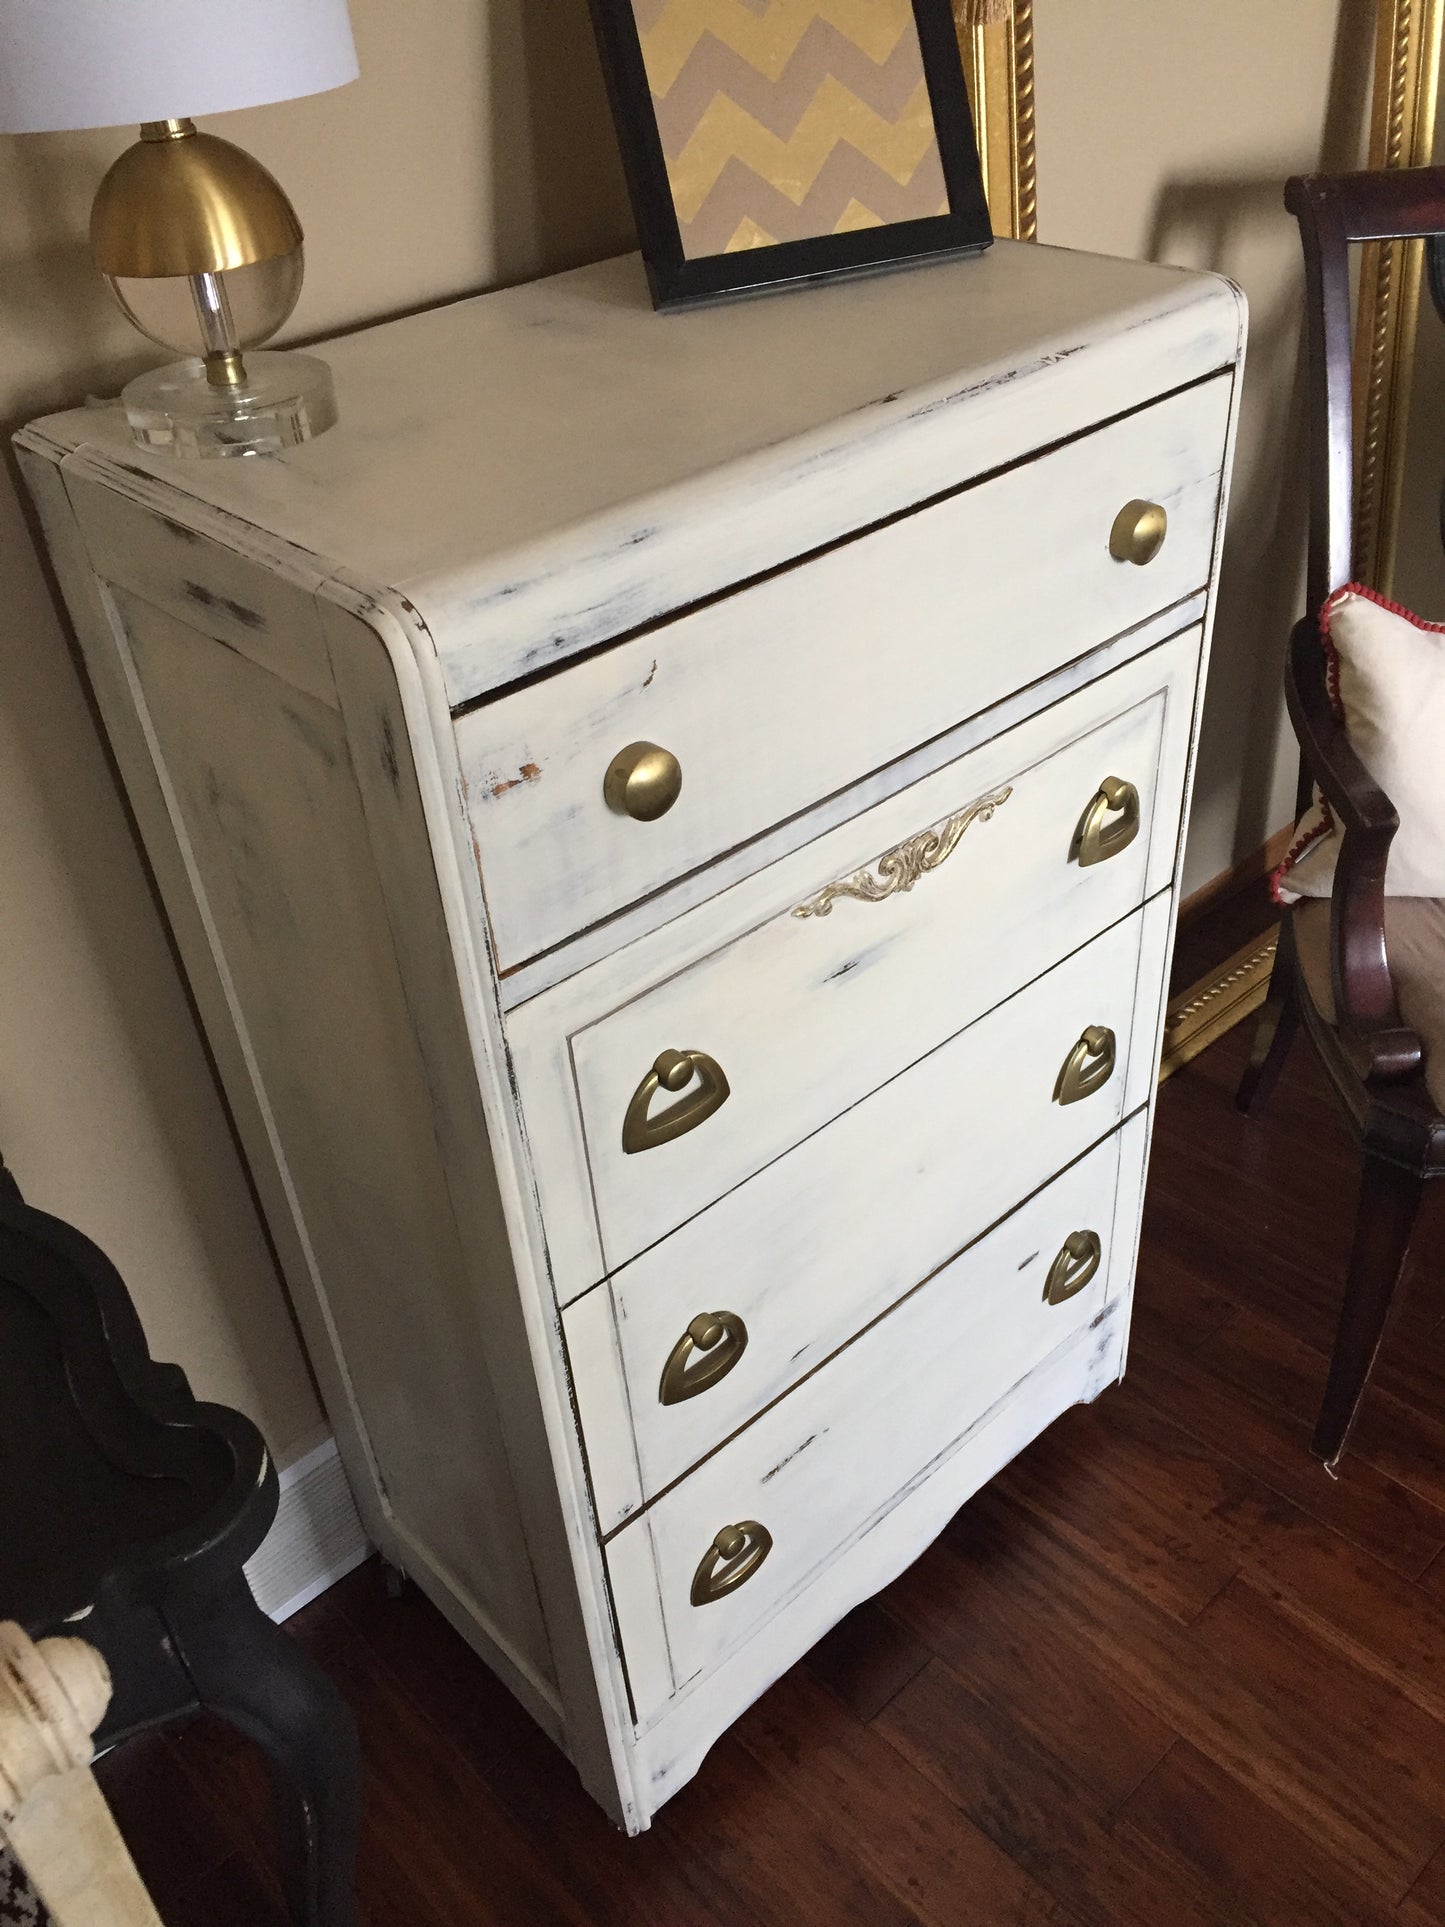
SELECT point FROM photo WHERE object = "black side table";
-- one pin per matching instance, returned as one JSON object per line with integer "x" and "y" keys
{"x": 127, "y": 1509}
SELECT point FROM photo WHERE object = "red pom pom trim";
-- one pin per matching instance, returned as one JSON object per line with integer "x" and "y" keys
{"x": 1326, "y": 825}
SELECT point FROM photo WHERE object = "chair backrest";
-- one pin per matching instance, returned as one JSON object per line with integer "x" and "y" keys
{"x": 1334, "y": 212}
{"x": 111, "y": 1472}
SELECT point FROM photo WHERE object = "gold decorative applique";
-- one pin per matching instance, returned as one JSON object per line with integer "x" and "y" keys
{"x": 898, "y": 869}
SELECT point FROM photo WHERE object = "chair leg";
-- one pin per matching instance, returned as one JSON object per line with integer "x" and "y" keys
{"x": 1389, "y": 1200}
{"x": 1275, "y": 1031}
{"x": 247, "y": 1670}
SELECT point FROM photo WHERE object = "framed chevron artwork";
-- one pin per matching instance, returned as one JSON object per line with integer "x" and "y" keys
{"x": 777, "y": 141}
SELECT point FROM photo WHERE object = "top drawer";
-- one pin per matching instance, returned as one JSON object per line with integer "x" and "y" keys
{"x": 782, "y": 693}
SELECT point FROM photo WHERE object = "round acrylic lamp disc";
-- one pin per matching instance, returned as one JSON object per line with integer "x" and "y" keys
{"x": 284, "y": 399}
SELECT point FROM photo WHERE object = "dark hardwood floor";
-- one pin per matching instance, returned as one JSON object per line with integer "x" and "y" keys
{"x": 1164, "y": 1670}
{"x": 1206, "y": 942}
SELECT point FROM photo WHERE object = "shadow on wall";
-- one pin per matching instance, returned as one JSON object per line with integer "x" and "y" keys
{"x": 559, "y": 198}
{"x": 56, "y": 315}
{"x": 95, "y": 1087}
{"x": 1224, "y": 224}
{"x": 1211, "y": 224}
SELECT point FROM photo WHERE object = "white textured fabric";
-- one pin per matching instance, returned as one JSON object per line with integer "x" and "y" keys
{"x": 110, "y": 63}
{"x": 1388, "y": 677}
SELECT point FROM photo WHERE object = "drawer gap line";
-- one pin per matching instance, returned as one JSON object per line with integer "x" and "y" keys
{"x": 616, "y": 1271}
{"x": 864, "y": 1330}
{"x": 868, "y": 776}
{"x": 655, "y": 623}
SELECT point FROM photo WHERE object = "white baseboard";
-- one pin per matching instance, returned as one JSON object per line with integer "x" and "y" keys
{"x": 317, "y": 1537}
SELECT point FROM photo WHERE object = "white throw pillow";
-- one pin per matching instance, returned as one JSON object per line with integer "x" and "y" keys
{"x": 1387, "y": 683}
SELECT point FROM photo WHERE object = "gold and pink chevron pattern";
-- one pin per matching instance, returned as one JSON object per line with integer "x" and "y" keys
{"x": 783, "y": 120}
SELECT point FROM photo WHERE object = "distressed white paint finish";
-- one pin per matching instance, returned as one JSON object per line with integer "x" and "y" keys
{"x": 497, "y": 1319}
{"x": 818, "y": 1468}
{"x": 529, "y": 980}
{"x": 531, "y": 470}
{"x": 277, "y": 648}
{"x": 669, "y": 1753}
{"x": 806, "y": 1016}
{"x": 261, "y": 782}
{"x": 827, "y": 1238}
{"x": 893, "y": 638}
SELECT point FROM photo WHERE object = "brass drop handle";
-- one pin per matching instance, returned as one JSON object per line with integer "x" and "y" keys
{"x": 730, "y": 1561}
{"x": 1109, "y": 824}
{"x": 673, "y": 1071}
{"x": 1078, "y": 1260}
{"x": 1088, "y": 1066}
{"x": 721, "y": 1337}
{"x": 1138, "y": 532}
{"x": 642, "y": 782}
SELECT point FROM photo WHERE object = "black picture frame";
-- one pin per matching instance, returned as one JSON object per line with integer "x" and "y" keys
{"x": 677, "y": 281}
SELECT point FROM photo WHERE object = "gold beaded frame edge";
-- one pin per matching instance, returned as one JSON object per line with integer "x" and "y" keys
{"x": 1408, "y": 41}
{"x": 998, "y": 63}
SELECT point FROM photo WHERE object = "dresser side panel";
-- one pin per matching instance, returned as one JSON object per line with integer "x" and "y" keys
{"x": 262, "y": 786}
{"x": 93, "y": 618}
{"x": 250, "y": 810}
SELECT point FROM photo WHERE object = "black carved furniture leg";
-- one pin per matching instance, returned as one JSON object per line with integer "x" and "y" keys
{"x": 1389, "y": 1200}
{"x": 248, "y": 1671}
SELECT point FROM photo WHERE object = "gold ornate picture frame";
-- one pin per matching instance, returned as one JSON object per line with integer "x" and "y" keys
{"x": 1390, "y": 365}
{"x": 998, "y": 63}
{"x": 1409, "y": 35}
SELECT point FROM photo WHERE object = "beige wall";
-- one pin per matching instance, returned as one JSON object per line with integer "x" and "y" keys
{"x": 1167, "y": 129}
{"x": 476, "y": 150}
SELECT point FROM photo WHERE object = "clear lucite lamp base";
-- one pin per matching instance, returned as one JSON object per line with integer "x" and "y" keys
{"x": 283, "y": 399}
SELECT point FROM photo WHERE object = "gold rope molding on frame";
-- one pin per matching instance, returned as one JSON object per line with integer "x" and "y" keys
{"x": 1409, "y": 35}
{"x": 1217, "y": 1003}
{"x": 900, "y": 868}
{"x": 1408, "y": 40}
{"x": 996, "y": 38}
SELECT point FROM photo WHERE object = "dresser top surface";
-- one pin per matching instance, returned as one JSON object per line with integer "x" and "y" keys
{"x": 528, "y": 473}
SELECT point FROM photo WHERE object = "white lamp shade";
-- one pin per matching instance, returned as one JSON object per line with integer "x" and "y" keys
{"x": 108, "y": 63}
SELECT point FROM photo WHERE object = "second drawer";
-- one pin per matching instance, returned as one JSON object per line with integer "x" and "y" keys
{"x": 718, "y": 1320}
{"x": 821, "y": 1002}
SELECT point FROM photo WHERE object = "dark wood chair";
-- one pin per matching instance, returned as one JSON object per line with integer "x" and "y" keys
{"x": 126, "y": 1511}
{"x": 1363, "y": 973}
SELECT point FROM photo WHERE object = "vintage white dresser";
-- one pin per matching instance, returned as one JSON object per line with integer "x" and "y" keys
{"x": 690, "y": 1195}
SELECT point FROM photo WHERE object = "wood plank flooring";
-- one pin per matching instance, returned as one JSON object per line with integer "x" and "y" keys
{"x": 1164, "y": 1671}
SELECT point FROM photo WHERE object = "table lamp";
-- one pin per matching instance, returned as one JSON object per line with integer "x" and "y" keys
{"x": 198, "y": 242}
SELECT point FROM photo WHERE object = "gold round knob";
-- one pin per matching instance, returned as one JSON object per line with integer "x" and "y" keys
{"x": 1138, "y": 532}
{"x": 642, "y": 782}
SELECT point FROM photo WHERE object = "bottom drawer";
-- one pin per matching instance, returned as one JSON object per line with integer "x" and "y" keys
{"x": 708, "y": 1564}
